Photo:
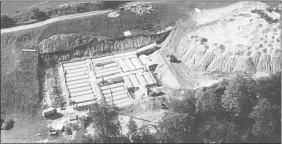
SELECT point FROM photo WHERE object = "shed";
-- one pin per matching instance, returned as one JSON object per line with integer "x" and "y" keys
{"x": 49, "y": 111}
{"x": 198, "y": 10}
{"x": 127, "y": 33}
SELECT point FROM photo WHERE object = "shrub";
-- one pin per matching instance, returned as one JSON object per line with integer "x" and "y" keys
{"x": 6, "y": 21}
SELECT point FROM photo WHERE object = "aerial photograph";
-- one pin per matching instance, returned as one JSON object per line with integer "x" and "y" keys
{"x": 181, "y": 71}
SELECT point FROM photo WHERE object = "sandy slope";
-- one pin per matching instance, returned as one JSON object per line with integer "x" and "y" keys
{"x": 237, "y": 40}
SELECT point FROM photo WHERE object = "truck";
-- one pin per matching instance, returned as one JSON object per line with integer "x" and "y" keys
{"x": 49, "y": 112}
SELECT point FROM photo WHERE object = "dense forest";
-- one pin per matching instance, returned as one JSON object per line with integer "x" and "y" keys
{"x": 236, "y": 110}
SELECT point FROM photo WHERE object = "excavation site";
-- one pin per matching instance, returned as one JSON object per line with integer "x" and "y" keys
{"x": 141, "y": 72}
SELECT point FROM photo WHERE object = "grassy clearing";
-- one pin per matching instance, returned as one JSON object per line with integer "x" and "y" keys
{"x": 25, "y": 131}
{"x": 164, "y": 15}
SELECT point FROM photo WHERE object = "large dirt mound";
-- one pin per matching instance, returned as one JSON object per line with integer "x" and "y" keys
{"x": 243, "y": 37}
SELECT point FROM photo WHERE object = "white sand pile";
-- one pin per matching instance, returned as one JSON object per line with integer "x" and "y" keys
{"x": 230, "y": 39}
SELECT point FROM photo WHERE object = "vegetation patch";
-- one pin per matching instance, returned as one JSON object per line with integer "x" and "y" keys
{"x": 34, "y": 14}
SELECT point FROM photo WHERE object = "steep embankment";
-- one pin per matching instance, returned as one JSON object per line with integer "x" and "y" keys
{"x": 19, "y": 75}
{"x": 69, "y": 46}
{"x": 243, "y": 37}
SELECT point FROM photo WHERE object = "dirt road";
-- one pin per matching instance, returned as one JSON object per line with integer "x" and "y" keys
{"x": 52, "y": 20}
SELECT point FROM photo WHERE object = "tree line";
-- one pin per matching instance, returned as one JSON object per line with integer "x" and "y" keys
{"x": 237, "y": 110}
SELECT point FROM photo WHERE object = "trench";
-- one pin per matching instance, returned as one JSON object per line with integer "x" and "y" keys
{"x": 102, "y": 48}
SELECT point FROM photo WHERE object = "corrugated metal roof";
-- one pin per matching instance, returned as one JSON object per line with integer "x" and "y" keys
{"x": 109, "y": 73}
{"x": 112, "y": 86}
{"x": 77, "y": 70}
{"x": 123, "y": 65}
{"x": 75, "y": 67}
{"x": 81, "y": 93}
{"x": 74, "y": 63}
{"x": 141, "y": 79}
{"x": 73, "y": 90}
{"x": 134, "y": 80}
{"x": 129, "y": 64}
{"x": 117, "y": 97}
{"x": 76, "y": 74}
{"x": 116, "y": 89}
{"x": 148, "y": 78}
{"x": 86, "y": 103}
{"x": 136, "y": 63}
{"x": 83, "y": 98}
{"x": 69, "y": 83}
{"x": 76, "y": 78}
{"x": 127, "y": 82}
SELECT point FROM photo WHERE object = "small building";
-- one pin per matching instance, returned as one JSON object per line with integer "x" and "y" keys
{"x": 198, "y": 10}
{"x": 127, "y": 33}
{"x": 49, "y": 111}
